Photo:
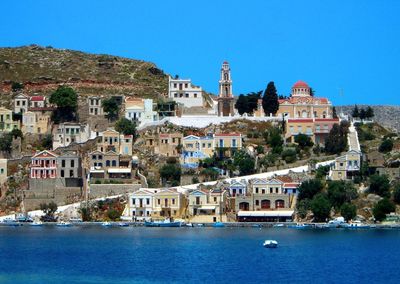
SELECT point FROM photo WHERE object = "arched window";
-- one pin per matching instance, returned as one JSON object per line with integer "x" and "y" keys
{"x": 304, "y": 114}
{"x": 114, "y": 163}
{"x": 265, "y": 204}
{"x": 107, "y": 163}
{"x": 279, "y": 203}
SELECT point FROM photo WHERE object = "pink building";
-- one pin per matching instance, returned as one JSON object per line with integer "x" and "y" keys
{"x": 44, "y": 165}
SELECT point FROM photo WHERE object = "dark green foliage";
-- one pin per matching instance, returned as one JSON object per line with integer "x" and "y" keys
{"x": 396, "y": 193}
{"x": 126, "y": 126}
{"x": 309, "y": 188}
{"x": 274, "y": 139}
{"x": 248, "y": 103}
{"x": 113, "y": 214}
{"x": 195, "y": 179}
{"x": 386, "y": 146}
{"x": 303, "y": 140}
{"x": 362, "y": 113}
{"x": 348, "y": 211}
{"x": 270, "y": 100}
{"x": 111, "y": 107}
{"x": 379, "y": 184}
{"x": 322, "y": 171}
{"x": 383, "y": 207}
{"x": 210, "y": 173}
{"x": 244, "y": 162}
{"x": 48, "y": 209}
{"x": 16, "y": 86}
{"x": 336, "y": 142}
{"x": 340, "y": 192}
{"x": 241, "y": 104}
{"x": 17, "y": 116}
{"x": 47, "y": 141}
{"x": 369, "y": 113}
{"x": 15, "y": 133}
{"x": 355, "y": 112}
{"x": 66, "y": 100}
{"x": 6, "y": 142}
{"x": 86, "y": 214}
{"x": 171, "y": 173}
{"x": 320, "y": 207}
{"x": 364, "y": 135}
{"x": 260, "y": 149}
{"x": 302, "y": 207}
{"x": 334, "y": 114}
{"x": 289, "y": 155}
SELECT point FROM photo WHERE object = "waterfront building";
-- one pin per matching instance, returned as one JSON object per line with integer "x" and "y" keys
{"x": 140, "y": 110}
{"x": 346, "y": 167}
{"x": 7, "y": 123}
{"x": 183, "y": 92}
{"x": 3, "y": 171}
{"x": 21, "y": 103}
{"x": 69, "y": 166}
{"x": 70, "y": 132}
{"x": 43, "y": 165}
{"x": 225, "y": 95}
{"x": 168, "y": 203}
{"x": 207, "y": 205}
{"x": 94, "y": 105}
{"x": 140, "y": 204}
{"x": 237, "y": 187}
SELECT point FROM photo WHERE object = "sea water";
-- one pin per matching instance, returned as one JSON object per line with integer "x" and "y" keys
{"x": 91, "y": 254}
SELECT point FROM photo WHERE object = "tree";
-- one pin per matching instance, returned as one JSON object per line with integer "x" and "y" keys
{"x": 16, "y": 86}
{"x": 66, "y": 100}
{"x": 113, "y": 214}
{"x": 110, "y": 106}
{"x": 126, "y": 126}
{"x": 241, "y": 104}
{"x": 274, "y": 140}
{"x": 362, "y": 114}
{"x": 386, "y": 145}
{"x": 309, "y": 188}
{"x": 86, "y": 214}
{"x": 355, "y": 112}
{"x": 289, "y": 155}
{"x": 334, "y": 114}
{"x": 6, "y": 142}
{"x": 396, "y": 193}
{"x": 369, "y": 113}
{"x": 244, "y": 162}
{"x": 320, "y": 207}
{"x": 322, "y": 171}
{"x": 303, "y": 140}
{"x": 383, "y": 207}
{"x": 270, "y": 100}
{"x": 171, "y": 173}
{"x": 302, "y": 208}
{"x": 47, "y": 141}
{"x": 379, "y": 184}
{"x": 48, "y": 209}
{"x": 210, "y": 173}
{"x": 15, "y": 133}
{"x": 340, "y": 192}
{"x": 336, "y": 142}
{"x": 348, "y": 211}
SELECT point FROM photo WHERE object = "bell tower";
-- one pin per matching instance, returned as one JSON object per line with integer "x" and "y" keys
{"x": 225, "y": 96}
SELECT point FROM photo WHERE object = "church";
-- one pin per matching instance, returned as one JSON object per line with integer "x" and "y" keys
{"x": 225, "y": 97}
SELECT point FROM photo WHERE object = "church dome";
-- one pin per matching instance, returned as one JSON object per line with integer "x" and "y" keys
{"x": 300, "y": 84}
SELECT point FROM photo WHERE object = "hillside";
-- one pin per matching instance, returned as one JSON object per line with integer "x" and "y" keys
{"x": 42, "y": 69}
{"x": 388, "y": 116}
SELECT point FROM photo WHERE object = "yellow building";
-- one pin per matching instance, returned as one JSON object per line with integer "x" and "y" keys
{"x": 346, "y": 166}
{"x": 226, "y": 144}
{"x": 207, "y": 206}
{"x": 36, "y": 122}
{"x": 168, "y": 203}
{"x": 6, "y": 120}
{"x": 165, "y": 144}
{"x": 112, "y": 140}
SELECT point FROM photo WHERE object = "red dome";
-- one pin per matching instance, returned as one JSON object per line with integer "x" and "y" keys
{"x": 300, "y": 84}
{"x": 225, "y": 62}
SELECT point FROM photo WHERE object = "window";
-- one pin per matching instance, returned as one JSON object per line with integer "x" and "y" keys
{"x": 173, "y": 200}
{"x": 71, "y": 173}
{"x": 204, "y": 145}
{"x": 186, "y": 85}
{"x": 174, "y": 85}
{"x": 72, "y": 163}
{"x": 147, "y": 201}
{"x": 276, "y": 190}
{"x": 17, "y": 103}
{"x": 62, "y": 173}
{"x": 186, "y": 95}
{"x": 158, "y": 201}
{"x": 133, "y": 201}
{"x": 234, "y": 143}
{"x": 107, "y": 163}
{"x": 63, "y": 163}
{"x": 256, "y": 189}
{"x": 263, "y": 191}
{"x": 215, "y": 199}
{"x": 1, "y": 171}
{"x": 114, "y": 163}
{"x": 257, "y": 202}
{"x": 195, "y": 95}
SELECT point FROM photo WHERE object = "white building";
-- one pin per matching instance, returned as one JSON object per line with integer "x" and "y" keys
{"x": 140, "y": 205}
{"x": 95, "y": 107}
{"x": 70, "y": 132}
{"x": 21, "y": 103}
{"x": 182, "y": 91}
{"x": 140, "y": 110}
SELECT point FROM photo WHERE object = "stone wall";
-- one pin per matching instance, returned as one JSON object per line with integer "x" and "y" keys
{"x": 102, "y": 190}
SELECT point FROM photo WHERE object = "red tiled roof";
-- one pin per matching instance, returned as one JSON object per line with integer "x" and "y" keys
{"x": 300, "y": 120}
{"x": 164, "y": 135}
{"x": 227, "y": 134}
{"x": 37, "y": 98}
{"x": 284, "y": 178}
{"x": 291, "y": 184}
{"x": 336, "y": 120}
{"x": 300, "y": 84}
{"x": 307, "y": 100}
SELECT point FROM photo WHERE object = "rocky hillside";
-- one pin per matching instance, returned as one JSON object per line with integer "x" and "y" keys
{"x": 42, "y": 69}
{"x": 388, "y": 116}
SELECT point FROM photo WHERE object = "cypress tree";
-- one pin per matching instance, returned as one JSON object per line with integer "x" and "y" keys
{"x": 241, "y": 104}
{"x": 355, "y": 112}
{"x": 270, "y": 100}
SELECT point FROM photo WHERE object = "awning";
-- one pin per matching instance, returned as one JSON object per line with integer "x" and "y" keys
{"x": 119, "y": 171}
{"x": 207, "y": 207}
{"x": 97, "y": 171}
{"x": 277, "y": 213}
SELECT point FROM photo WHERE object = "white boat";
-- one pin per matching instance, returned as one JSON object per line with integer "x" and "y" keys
{"x": 337, "y": 222}
{"x": 64, "y": 224}
{"x": 358, "y": 225}
{"x": 189, "y": 225}
{"x": 106, "y": 224}
{"x": 270, "y": 244}
{"x": 123, "y": 224}
{"x": 278, "y": 225}
{"x": 36, "y": 223}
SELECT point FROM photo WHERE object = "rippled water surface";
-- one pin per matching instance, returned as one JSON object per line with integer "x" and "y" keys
{"x": 197, "y": 255}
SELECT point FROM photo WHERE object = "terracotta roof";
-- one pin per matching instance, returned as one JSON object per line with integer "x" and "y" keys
{"x": 37, "y": 98}
{"x": 291, "y": 184}
{"x": 227, "y": 134}
{"x": 306, "y": 100}
{"x": 284, "y": 178}
{"x": 328, "y": 119}
{"x": 300, "y": 120}
{"x": 300, "y": 84}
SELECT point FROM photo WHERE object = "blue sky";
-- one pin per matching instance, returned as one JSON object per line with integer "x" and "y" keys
{"x": 353, "y": 46}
